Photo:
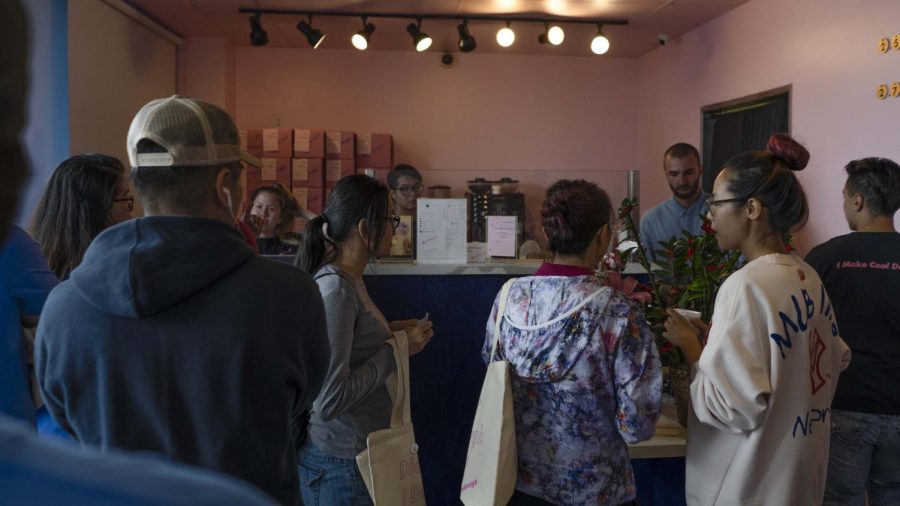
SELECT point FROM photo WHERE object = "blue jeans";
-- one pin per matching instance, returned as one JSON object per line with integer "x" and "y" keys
{"x": 326, "y": 480}
{"x": 865, "y": 456}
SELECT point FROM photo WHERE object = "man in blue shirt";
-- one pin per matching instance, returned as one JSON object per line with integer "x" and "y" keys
{"x": 681, "y": 164}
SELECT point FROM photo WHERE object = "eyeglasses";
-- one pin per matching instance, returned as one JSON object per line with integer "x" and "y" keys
{"x": 710, "y": 202}
{"x": 395, "y": 221}
{"x": 128, "y": 199}
{"x": 409, "y": 189}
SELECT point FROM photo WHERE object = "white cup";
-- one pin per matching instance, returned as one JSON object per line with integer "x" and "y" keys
{"x": 688, "y": 313}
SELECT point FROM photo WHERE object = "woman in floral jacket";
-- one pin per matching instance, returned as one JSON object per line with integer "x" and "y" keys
{"x": 586, "y": 375}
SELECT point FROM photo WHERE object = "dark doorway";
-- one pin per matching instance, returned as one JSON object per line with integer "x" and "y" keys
{"x": 744, "y": 124}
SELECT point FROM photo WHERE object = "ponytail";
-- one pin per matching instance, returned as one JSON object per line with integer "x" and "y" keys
{"x": 314, "y": 247}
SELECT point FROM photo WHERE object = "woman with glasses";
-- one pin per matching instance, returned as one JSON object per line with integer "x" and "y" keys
{"x": 406, "y": 187}
{"x": 763, "y": 382}
{"x": 355, "y": 227}
{"x": 85, "y": 195}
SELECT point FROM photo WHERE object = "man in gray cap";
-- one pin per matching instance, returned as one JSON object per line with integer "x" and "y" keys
{"x": 173, "y": 335}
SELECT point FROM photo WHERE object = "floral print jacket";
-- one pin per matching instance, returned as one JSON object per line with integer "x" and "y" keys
{"x": 584, "y": 386}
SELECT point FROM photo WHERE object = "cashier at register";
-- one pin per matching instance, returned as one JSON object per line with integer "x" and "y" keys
{"x": 405, "y": 183}
{"x": 406, "y": 187}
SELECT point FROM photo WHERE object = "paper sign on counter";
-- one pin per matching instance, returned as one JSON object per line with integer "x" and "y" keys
{"x": 441, "y": 231}
{"x": 501, "y": 236}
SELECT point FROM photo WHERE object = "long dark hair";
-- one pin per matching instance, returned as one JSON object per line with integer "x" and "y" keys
{"x": 354, "y": 198}
{"x": 75, "y": 208}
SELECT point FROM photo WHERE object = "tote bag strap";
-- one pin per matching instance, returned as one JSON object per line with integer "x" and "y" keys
{"x": 400, "y": 413}
{"x": 501, "y": 311}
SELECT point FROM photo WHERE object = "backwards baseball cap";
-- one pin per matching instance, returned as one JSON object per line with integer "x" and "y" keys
{"x": 192, "y": 133}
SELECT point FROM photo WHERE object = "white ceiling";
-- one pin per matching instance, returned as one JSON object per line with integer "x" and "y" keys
{"x": 646, "y": 18}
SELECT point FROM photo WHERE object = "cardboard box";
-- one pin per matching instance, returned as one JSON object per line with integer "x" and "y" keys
{"x": 335, "y": 170}
{"x": 309, "y": 143}
{"x": 254, "y": 174}
{"x": 277, "y": 142}
{"x": 307, "y": 173}
{"x": 382, "y": 151}
{"x": 257, "y": 152}
{"x": 328, "y": 192}
{"x": 276, "y": 169}
{"x": 251, "y": 188}
{"x": 251, "y": 138}
{"x": 381, "y": 175}
{"x": 340, "y": 146}
{"x": 310, "y": 199}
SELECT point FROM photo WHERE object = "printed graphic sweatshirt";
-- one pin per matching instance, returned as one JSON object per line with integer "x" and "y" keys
{"x": 760, "y": 427}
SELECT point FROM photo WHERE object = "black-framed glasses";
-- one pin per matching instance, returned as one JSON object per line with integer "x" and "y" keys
{"x": 710, "y": 202}
{"x": 394, "y": 220}
{"x": 128, "y": 199}
{"x": 409, "y": 189}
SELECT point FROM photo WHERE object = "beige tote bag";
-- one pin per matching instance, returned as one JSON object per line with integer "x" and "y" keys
{"x": 492, "y": 461}
{"x": 390, "y": 463}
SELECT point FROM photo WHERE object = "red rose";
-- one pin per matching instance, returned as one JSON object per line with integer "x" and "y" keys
{"x": 707, "y": 228}
{"x": 690, "y": 253}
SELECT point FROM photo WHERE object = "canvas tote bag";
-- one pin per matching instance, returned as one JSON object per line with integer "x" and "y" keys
{"x": 492, "y": 460}
{"x": 390, "y": 463}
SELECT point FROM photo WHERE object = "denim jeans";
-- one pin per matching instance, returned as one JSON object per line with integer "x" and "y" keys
{"x": 865, "y": 456}
{"x": 326, "y": 480}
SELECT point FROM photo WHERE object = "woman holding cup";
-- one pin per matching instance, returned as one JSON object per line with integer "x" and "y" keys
{"x": 763, "y": 383}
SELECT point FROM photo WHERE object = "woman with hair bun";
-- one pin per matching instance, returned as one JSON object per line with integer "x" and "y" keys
{"x": 763, "y": 383}
{"x": 585, "y": 370}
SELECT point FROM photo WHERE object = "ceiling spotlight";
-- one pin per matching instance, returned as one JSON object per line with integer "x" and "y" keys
{"x": 552, "y": 34}
{"x": 258, "y": 36}
{"x": 421, "y": 40}
{"x": 600, "y": 44}
{"x": 505, "y": 36}
{"x": 466, "y": 41}
{"x": 313, "y": 35}
{"x": 360, "y": 39}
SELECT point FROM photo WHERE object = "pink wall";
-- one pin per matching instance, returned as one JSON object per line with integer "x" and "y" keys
{"x": 533, "y": 118}
{"x": 827, "y": 49}
{"x": 206, "y": 69}
{"x": 488, "y": 112}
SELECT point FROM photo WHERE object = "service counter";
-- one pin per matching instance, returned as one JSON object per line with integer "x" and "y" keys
{"x": 446, "y": 377}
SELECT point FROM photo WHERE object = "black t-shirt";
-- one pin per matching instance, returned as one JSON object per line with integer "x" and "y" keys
{"x": 274, "y": 246}
{"x": 861, "y": 272}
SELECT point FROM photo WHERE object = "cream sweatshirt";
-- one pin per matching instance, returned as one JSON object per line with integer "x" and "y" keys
{"x": 760, "y": 427}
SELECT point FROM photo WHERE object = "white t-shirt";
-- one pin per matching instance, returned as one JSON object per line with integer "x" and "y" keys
{"x": 761, "y": 421}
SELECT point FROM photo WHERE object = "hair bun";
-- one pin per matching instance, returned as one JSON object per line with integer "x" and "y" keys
{"x": 795, "y": 156}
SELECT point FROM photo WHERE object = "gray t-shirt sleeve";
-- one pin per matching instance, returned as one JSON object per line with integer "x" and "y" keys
{"x": 345, "y": 386}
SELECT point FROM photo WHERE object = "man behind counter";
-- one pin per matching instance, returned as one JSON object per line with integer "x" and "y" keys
{"x": 681, "y": 165}
{"x": 406, "y": 187}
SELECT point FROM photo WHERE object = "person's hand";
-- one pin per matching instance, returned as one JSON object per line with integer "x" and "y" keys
{"x": 685, "y": 333}
{"x": 418, "y": 334}
{"x": 401, "y": 324}
{"x": 256, "y": 222}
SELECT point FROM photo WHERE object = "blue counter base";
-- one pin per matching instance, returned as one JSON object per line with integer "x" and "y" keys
{"x": 446, "y": 378}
